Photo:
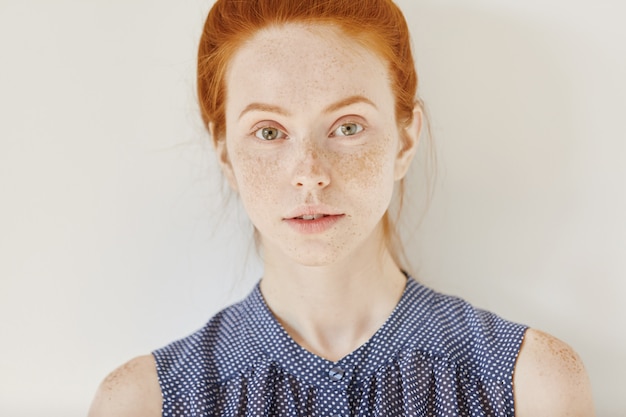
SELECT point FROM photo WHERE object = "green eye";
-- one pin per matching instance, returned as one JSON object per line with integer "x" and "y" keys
{"x": 269, "y": 133}
{"x": 348, "y": 129}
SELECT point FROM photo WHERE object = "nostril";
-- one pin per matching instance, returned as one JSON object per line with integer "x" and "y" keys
{"x": 319, "y": 184}
{"x": 310, "y": 177}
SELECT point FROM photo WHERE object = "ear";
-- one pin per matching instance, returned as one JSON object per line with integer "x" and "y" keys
{"x": 407, "y": 146}
{"x": 222, "y": 157}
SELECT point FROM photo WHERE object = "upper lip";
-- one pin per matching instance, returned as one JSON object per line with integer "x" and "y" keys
{"x": 312, "y": 211}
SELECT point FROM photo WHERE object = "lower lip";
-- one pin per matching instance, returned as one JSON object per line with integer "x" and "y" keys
{"x": 309, "y": 227}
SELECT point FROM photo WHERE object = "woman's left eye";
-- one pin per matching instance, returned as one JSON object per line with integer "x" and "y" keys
{"x": 269, "y": 133}
{"x": 348, "y": 129}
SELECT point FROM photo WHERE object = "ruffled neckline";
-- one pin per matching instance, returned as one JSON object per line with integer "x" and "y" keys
{"x": 410, "y": 314}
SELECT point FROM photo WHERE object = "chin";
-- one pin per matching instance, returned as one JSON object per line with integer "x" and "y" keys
{"x": 314, "y": 258}
{"x": 319, "y": 251}
{"x": 308, "y": 254}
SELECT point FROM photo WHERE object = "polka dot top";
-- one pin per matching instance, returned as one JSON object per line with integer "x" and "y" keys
{"x": 434, "y": 356}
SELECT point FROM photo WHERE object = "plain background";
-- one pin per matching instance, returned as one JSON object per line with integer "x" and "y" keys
{"x": 114, "y": 239}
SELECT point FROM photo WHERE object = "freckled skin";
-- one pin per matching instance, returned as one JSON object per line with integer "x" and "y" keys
{"x": 550, "y": 379}
{"x": 303, "y": 70}
{"x": 131, "y": 390}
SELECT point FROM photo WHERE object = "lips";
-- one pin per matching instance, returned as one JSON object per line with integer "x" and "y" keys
{"x": 313, "y": 219}
{"x": 312, "y": 212}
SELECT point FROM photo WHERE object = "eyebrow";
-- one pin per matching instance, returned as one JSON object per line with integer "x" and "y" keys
{"x": 264, "y": 107}
{"x": 349, "y": 101}
{"x": 333, "y": 107}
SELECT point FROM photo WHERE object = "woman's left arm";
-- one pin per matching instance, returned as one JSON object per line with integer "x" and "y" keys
{"x": 550, "y": 379}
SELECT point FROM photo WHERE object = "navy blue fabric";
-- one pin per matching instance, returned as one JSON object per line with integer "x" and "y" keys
{"x": 435, "y": 355}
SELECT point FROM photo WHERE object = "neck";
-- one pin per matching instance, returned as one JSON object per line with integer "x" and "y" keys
{"x": 333, "y": 309}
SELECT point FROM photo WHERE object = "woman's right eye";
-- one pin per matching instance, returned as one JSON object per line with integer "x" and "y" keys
{"x": 269, "y": 133}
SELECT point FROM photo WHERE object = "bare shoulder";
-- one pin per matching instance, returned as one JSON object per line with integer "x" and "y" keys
{"x": 130, "y": 390}
{"x": 550, "y": 379}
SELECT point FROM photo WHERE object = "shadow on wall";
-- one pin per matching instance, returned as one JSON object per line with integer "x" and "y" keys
{"x": 508, "y": 228}
{"x": 503, "y": 127}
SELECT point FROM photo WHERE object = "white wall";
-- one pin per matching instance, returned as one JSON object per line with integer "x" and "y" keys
{"x": 111, "y": 241}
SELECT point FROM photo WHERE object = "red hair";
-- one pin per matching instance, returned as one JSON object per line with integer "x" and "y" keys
{"x": 377, "y": 24}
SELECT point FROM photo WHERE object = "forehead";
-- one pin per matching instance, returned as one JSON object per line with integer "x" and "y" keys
{"x": 304, "y": 62}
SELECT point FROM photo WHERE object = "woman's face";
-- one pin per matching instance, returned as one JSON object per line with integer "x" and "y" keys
{"x": 312, "y": 145}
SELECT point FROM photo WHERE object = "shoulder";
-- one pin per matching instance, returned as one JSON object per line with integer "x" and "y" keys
{"x": 130, "y": 390}
{"x": 550, "y": 379}
{"x": 222, "y": 348}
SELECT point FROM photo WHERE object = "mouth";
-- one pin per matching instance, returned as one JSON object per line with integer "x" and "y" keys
{"x": 313, "y": 212}
{"x": 311, "y": 216}
{"x": 313, "y": 223}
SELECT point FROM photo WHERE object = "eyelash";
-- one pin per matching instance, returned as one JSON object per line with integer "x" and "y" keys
{"x": 280, "y": 134}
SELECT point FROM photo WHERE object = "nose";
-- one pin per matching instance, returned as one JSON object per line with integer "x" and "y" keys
{"x": 310, "y": 171}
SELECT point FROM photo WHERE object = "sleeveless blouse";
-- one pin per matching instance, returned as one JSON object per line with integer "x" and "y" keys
{"x": 436, "y": 355}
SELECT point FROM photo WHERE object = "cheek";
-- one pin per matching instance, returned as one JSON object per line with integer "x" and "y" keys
{"x": 369, "y": 178}
{"x": 371, "y": 169}
{"x": 257, "y": 177}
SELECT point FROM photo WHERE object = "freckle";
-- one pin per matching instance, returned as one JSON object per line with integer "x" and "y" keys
{"x": 566, "y": 355}
{"x": 113, "y": 379}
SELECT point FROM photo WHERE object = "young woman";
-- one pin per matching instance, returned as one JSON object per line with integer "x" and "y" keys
{"x": 312, "y": 107}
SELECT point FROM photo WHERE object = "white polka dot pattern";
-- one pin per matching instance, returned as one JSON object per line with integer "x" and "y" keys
{"x": 435, "y": 356}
